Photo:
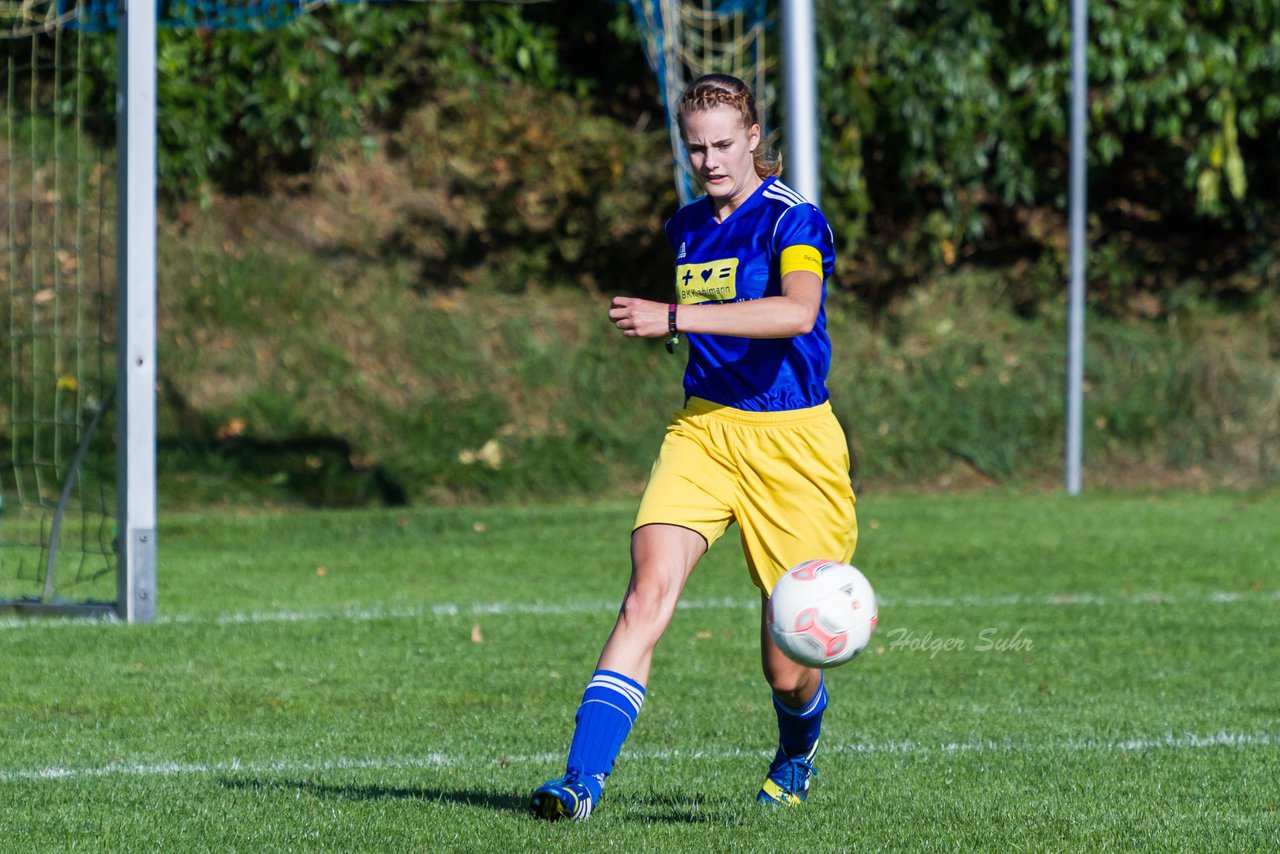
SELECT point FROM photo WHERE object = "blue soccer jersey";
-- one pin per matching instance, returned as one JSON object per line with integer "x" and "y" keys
{"x": 741, "y": 259}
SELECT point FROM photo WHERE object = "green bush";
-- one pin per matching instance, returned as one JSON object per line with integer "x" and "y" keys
{"x": 241, "y": 108}
{"x": 948, "y": 128}
{"x": 532, "y": 189}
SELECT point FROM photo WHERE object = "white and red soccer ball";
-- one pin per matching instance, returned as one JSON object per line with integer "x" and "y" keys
{"x": 822, "y": 613}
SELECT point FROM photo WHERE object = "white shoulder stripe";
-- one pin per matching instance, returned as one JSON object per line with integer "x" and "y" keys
{"x": 788, "y": 200}
{"x": 791, "y": 201}
{"x": 773, "y": 235}
{"x": 782, "y": 192}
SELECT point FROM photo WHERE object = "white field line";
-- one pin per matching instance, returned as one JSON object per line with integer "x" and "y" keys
{"x": 1139, "y": 744}
{"x": 562, "y": 609}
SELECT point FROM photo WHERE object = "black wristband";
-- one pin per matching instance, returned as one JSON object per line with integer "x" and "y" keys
{"x": 671, "y": 328}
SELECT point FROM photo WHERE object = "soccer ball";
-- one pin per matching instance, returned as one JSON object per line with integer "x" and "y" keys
{"x": 822, "y": 613}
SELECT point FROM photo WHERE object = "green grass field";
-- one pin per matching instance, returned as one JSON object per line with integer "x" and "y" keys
{"x": 1091, "y": 674}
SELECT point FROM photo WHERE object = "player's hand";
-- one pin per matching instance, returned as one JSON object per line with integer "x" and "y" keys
{"x": 639, "y": 318}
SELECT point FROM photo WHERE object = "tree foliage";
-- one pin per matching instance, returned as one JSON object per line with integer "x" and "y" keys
{"x": 238, "y": 108}
{"x": 948, "y": 128}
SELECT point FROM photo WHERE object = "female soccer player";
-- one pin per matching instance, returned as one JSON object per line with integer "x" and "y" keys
{"x": 757, "y": 442}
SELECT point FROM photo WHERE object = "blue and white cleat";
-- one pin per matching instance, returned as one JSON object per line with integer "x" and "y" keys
{"x": 564, "y": 797}
{"x": 788, "y": 780}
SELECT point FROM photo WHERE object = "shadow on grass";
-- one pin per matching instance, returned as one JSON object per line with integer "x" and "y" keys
{"x": 355, "y": 792}
{"x": 651, "y": 808}
{"x": 675, "y": 814}
{"x": 671, "y": 807}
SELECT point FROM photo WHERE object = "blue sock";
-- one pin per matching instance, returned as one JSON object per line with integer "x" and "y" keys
{"x": 798, "y": 729}
{"x": 609, "y": 708}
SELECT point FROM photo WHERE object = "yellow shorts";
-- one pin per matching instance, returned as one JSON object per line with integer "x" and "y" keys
{"x": 782, "y": 476}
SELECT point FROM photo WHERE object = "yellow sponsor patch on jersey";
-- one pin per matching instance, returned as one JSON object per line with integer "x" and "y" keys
{"x": 709, "y": 282}
{"x": 801, "y": 257}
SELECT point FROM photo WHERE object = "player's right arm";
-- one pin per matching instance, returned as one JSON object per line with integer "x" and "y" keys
{"x": 787, "y": 315}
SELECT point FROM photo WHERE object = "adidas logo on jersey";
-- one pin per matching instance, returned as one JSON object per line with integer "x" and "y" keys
{"x": 682, "y": 251}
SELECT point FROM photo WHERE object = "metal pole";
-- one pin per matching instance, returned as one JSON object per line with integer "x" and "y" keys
{"x": 801, "y": 98}
{"x": 1078, "y": 208}
{"x": 136, "y": 311}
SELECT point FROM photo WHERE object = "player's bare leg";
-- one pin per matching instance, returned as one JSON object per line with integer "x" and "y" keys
{"x": 662, "y": 559}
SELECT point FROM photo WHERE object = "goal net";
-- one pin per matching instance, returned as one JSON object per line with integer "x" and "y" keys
{"x": 77, "y": 442}
{"x": 57, "y": 268}
{"x": 684, "y": 40}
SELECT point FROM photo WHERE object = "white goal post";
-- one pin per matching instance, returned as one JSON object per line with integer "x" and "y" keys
{"x": 136, "y": 312}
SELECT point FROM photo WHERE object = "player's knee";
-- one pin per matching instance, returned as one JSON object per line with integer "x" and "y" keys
{"x": 792, "y": 684}
{"x": 649, "y": 603}
{"x": 788, "y": 689}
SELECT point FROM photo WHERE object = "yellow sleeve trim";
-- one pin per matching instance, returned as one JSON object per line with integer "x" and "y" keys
{"x": 801, "y": 257}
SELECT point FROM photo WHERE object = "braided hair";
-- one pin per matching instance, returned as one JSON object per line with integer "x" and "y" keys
{"x": 724, "y": 90}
